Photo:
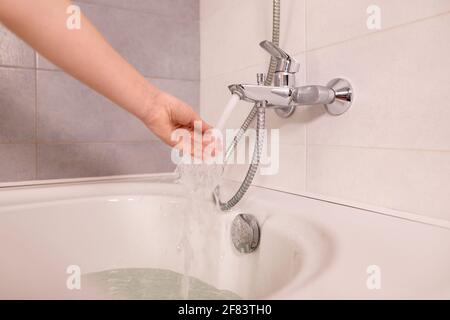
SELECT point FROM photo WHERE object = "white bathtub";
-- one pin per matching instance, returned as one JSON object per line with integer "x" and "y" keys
{"x": 309, "y": 249}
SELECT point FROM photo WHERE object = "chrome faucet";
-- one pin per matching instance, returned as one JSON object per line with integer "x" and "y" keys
{"x": 337, "y": 96}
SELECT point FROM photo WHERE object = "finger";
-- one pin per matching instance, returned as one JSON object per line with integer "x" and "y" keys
{"x": 205, "y": 126}
{"x": 184, "y": 115}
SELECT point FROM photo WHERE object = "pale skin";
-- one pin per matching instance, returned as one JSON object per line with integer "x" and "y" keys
{"x": 88, "y": 57}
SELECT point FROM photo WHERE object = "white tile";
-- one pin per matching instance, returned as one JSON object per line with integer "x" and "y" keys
{"x": 401, "y": 80}
{"x": 412, "y": 181}
{"x": 291, "y": 176}
{"x": 230, "y": 37}
{"x": 331, "y": 21}
{"x": 210, "y": 7}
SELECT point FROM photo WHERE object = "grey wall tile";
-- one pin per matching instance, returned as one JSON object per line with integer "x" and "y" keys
{"x": 13, "y": 51}
{"x": 68, "y": 111}
{"x": 17, "y": 105}
{"x": 159, "y": 47}
{"x": 80, "y": 133}
{"x": 17, "y": 162}
{"x": 92, "y": 160}
{"x": 188, "y": 91}
{"x": 179, "y": 9}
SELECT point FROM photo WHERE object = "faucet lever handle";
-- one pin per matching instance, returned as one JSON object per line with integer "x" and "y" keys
{"x": 274, "y": 50}
{"x": 285, "y": 63}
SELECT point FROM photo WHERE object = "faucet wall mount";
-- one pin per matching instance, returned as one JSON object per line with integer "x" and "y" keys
{"x": 284, "y": 96}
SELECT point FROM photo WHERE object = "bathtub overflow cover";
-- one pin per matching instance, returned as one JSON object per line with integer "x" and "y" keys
{"x": 245, "y": 233}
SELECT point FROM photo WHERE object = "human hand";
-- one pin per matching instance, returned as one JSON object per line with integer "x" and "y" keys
{"x": 165, "y": 114}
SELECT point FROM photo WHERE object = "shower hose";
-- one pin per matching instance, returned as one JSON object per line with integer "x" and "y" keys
{"x": 258, "y": 112}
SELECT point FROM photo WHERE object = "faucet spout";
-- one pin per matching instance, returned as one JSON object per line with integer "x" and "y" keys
{"x": 269, "y": 95}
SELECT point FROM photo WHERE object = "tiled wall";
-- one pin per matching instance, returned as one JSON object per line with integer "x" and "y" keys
{"x": 51, "y": 126}
{"x": 392, "y": 149}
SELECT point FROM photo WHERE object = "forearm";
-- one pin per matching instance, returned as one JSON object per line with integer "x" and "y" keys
{"x": 83, "y": 53}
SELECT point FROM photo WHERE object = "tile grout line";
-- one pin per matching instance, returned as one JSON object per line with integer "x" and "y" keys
{"x": 99, "y": 142}
{"x": 36, "y": 161}
{"x": 62, "y": 71}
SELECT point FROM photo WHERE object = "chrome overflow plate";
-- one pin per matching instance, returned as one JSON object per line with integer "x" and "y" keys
{"x": 245, "y": 233}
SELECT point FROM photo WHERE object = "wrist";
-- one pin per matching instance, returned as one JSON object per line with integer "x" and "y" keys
{"x": 150, "y": 106}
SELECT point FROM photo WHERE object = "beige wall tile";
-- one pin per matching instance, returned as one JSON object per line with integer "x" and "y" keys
{"x": 331, "y": 21}
{"x": 411, "y": 181}
{"x": 401, "y": 79}
{"x": 230, "y": 37}
{"x": 291, "y": 176}
{"x": 395, "y": 117}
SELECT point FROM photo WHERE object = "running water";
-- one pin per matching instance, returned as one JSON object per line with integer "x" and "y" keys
{"x": 200, "y": 180}
{"x": 227, "y": 112}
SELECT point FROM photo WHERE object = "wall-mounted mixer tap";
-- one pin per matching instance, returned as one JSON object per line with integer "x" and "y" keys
{"x": 337, "y": 96}
{"x": 283, "y": 96}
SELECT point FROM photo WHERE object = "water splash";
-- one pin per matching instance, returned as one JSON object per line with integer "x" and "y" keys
{"x": 200, "y": 180}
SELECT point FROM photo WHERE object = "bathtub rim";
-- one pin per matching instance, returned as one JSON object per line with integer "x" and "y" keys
{"x": 152, "y": 177}
{"x": 172, "y": 176}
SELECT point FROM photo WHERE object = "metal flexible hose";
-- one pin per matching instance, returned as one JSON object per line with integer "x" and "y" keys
{"x": 259, "y": 112}
{"x": 256, "y": 159}
{"x": 275, "y": 39}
